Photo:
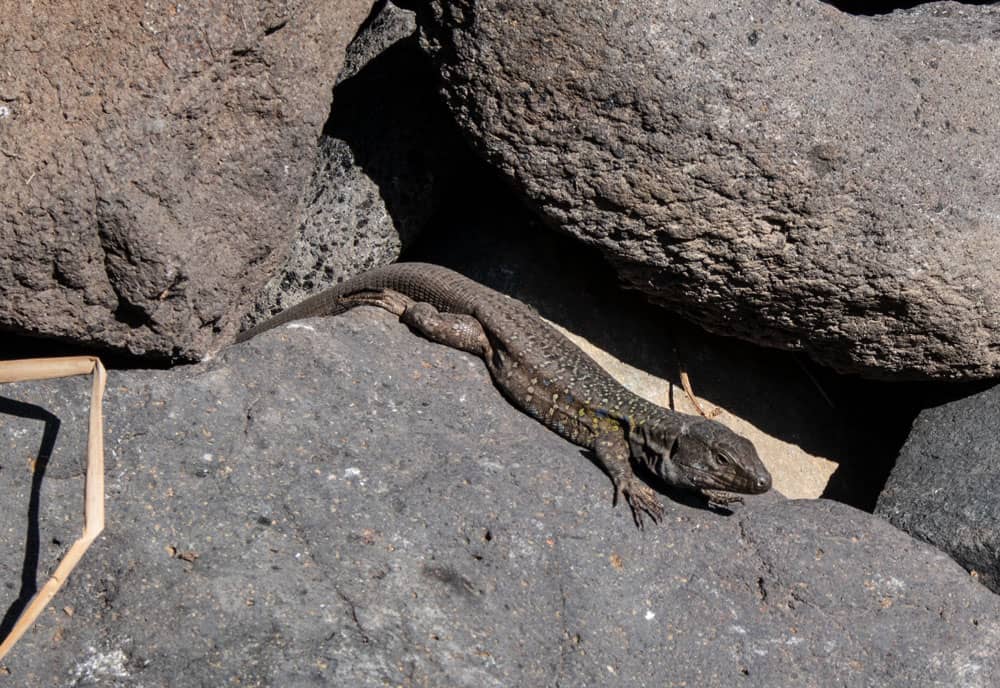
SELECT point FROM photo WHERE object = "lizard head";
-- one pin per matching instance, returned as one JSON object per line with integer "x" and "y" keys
{"x": 701, "y": 455}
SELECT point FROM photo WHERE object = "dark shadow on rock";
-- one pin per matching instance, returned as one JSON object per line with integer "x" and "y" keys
{"x": 877, "y": 8}
{"x": 32, "y": 543}
{"x": 390, "y": 116}
{"x": 886, "y": 411}
{"x": 15, "y": 346}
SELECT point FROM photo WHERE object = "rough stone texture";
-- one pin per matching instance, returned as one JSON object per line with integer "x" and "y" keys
{"x": 387, "y": 154}
{"x": 344, "y": 503}
{"x": 154, "y": 159}
{"x": 783, "y": 172}
{"x": 944, "y": 486}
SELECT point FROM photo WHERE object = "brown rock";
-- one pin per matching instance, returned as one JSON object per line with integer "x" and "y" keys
{"x": 154, "y": 158}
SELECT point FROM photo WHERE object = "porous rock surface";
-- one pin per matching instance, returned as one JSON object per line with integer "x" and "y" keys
{"x": 788, "y": 173}
{"x": 155, "y": 156}
{"x": 376, "y": 179}
{"x": 341, "y": 502}
{"x": 943, "y": 488}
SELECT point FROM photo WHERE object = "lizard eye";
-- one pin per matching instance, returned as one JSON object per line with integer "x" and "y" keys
{"x": 723, "y": 459}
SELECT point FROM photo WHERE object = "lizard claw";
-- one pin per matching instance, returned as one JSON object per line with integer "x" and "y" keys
{"x": 641, "y": 500}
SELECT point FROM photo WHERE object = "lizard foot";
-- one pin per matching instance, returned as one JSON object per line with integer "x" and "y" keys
{"x": 641, "y": 499}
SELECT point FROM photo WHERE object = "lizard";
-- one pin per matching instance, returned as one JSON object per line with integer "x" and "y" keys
{"x": 544, "y": 374}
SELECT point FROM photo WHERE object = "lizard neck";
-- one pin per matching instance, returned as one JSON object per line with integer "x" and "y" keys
{"x": 652, "y": 431}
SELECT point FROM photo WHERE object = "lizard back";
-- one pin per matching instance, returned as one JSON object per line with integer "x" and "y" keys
{"x": 537, "y": 367}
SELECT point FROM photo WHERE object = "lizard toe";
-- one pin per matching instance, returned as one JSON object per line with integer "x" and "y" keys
{"x": 643, "y": 501}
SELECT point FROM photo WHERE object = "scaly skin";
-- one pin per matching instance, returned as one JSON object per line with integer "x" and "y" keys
{"x": 545, "y": 375}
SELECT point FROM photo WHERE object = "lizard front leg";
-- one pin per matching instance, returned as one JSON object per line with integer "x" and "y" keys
{"x": 457, "y": 330}
{"x": 612, "y": 451}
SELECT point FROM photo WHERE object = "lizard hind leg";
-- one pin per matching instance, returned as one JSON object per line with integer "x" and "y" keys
{"x": 457, "y": 330}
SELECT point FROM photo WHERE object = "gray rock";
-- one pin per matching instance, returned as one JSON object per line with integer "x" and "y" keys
{"x": 387, "y": 154}
{"x": 786, "y": 173}
{"x": 153, "y": 156}
{"x": 944, "y": 487}
{"x": 341, "y": 502}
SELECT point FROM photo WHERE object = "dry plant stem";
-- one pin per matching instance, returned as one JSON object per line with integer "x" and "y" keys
{"x": 93, "y": 505}
{"x": 686, "y": 384}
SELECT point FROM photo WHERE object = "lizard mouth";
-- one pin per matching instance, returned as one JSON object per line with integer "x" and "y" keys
{"x": 702, "y": 479}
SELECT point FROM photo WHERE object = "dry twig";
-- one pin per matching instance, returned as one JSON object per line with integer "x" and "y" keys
{"x": 686, "y": 384}
{"x": 93, "y": 506}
